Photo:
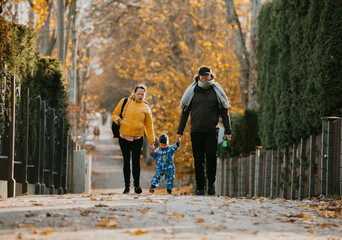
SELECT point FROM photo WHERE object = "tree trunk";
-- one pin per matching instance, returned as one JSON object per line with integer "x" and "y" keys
{"x": 71, "y": 15}
{"x": 45, "y": 33}
{"x": 240, "y": 51}
{"x": 73, "y": 61}
{"x": 252, "y": 84}
{"x": 60, "y": 30}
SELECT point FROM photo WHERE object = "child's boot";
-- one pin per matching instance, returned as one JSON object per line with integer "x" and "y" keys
{"x": 152, "y": 188}
{"x": 169, "y": 191}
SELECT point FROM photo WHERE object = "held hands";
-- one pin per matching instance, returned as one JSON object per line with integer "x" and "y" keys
{"x": 151, "y": 150}
{"x": 179, "y": 138}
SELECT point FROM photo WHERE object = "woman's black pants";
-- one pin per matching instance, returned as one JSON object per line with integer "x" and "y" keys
{"x": 204, "y": 146}
{"x": 133, "y": 149}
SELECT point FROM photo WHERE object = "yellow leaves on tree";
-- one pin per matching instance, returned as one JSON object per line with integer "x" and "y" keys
{"x": 40, "y": 7}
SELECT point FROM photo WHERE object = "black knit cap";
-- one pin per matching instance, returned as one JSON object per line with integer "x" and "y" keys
{"x": 204, "y": 70}
{"x": 164, "y": 139}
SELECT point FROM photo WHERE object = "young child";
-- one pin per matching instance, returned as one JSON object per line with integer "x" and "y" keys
{"x": 164, "y": 166}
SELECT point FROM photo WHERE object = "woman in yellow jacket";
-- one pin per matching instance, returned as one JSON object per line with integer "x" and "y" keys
{"x": 136, "y": 116}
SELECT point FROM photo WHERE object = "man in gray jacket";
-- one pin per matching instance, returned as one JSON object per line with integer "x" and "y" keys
{"x": 206, "y": 101}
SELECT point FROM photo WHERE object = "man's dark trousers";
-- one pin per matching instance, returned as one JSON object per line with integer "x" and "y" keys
{"x": 204, "y": 146}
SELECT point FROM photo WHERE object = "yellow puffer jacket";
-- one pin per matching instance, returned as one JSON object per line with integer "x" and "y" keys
{"x": 137, "y": 117}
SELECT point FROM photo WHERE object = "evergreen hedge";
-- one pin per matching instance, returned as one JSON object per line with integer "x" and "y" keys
{"x": 44, "y": 76}
{"x": 299, "y": 56}
{"x": 245, "y": 135}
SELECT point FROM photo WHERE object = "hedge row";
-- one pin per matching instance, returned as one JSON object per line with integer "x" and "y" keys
{"x": 44, "y": 76}
{"x": 299, "y": 68}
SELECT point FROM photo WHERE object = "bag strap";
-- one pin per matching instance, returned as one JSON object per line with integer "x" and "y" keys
{"x": 123, "y": 105}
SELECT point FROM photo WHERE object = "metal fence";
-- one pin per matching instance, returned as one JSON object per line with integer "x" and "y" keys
{"x": 34, "y": 155}
{"x": 312, "y": 167}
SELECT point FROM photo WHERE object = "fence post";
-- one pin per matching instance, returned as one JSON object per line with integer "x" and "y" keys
{"x": 37, "y": 153}
{"x": 51, "y": 147}
{"x": 226, "y": 177}
{"x": 312, "y": 164}
{"x": 301, "y": 168}
{"x": 26, "y": 142}
{"x": 60, "y": 154}
{"x": 258, "y": 172}
{"x": 231, "y": 184}
{"x": 273, "y": 174}
{"x": 42, "y": 146}
{"x": 267, "y": 176}
{"x": 341, "y": 155}
{"x": 251, "y": 174}
{"x": 278, "y": 163}
{"x": 11, "y": 180}
{"x": 286, "y": 172}
{"x": 327, "y": 151}
{"x": 294, "y": 171}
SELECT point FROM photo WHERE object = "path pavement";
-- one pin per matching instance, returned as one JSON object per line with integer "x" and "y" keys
{"x": 108, "y": 214}
{"x": 107, "y": 164}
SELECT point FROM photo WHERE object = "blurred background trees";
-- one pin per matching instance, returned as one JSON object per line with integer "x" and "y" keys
{"x": 107, "y": 47}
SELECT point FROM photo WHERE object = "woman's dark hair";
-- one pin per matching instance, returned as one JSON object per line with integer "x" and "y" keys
{"x": 140, "y": 86}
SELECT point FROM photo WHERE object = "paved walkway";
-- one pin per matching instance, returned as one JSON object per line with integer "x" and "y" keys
{"x": 108, "y": 214}
{"x": 107, "y": 164}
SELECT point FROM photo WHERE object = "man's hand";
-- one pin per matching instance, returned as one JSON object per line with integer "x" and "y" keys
{"x": 179, "y": 137}
{"x": 228, "y": 136}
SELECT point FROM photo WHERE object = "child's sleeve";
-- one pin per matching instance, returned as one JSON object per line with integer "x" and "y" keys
{"x": 175, "y": 147}
{"x": 155, "y": 154}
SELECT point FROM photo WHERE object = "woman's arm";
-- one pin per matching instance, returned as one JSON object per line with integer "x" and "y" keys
{"x": 148, "y": 125}
{"x": 115, "y": 115}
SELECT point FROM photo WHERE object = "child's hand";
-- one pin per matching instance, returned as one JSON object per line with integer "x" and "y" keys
{"x": 151, "y": 150}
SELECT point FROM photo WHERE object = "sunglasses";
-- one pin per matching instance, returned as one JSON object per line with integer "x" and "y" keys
{"x": 140, "y": 86}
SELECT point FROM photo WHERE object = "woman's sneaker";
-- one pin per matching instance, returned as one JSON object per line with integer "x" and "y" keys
{"x": 137, "y": 190}
{"x": 126, "y": 190}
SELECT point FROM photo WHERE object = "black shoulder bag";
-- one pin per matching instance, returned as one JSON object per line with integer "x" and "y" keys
{"x": 115, "y": 127}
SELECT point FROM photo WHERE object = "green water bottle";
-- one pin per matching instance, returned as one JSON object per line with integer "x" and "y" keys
{"x": 225, "y": 142}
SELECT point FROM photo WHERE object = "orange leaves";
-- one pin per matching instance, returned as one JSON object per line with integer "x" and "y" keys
{"x": 47, "y": 232}
{"x": 138, "y": 232}
{"x": 108, "y": 223}
{"x": 200, "y": 220}
{"x": 178, "y": 216}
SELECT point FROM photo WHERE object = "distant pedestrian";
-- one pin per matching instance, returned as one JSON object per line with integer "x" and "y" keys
{"x": 96, "y": 132}
{"x": 137, "y": 116}
{"x": 164, "y": 165}
{"x": 206, "y": 101}
{"x": 104, "y": 117}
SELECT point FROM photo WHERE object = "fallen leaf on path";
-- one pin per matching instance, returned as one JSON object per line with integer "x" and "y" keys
{"x": 31, "y": 214}
{"x": 216, "y": 227}
{"x": 47, "y": 232}
{"x": 177, "y": 216}
{"x": 138, "y": 232}
{"x": 135, "y": 197}
{"x": 101, "y": 205}
{"x": 145, "y": 210}
{"x": 311, "y": 231}
{"x": 254, "y": 233}
{"x": 108, "y": 223}
{"x": 227, "y": 203}
{"x": 37, "y": 204}
{"x": 200, "y": 220}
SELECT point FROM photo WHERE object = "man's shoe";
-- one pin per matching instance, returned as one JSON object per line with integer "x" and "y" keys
{"x": 137, "y": 190}
{"x": 169, "y": 191}
{"x": 200, "y": 192}
{"x": 211, "y": 189}
{"x": 126, "y": 191}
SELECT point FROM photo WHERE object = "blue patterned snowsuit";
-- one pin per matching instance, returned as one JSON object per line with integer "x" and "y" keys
{"x": 165, "y": 165}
